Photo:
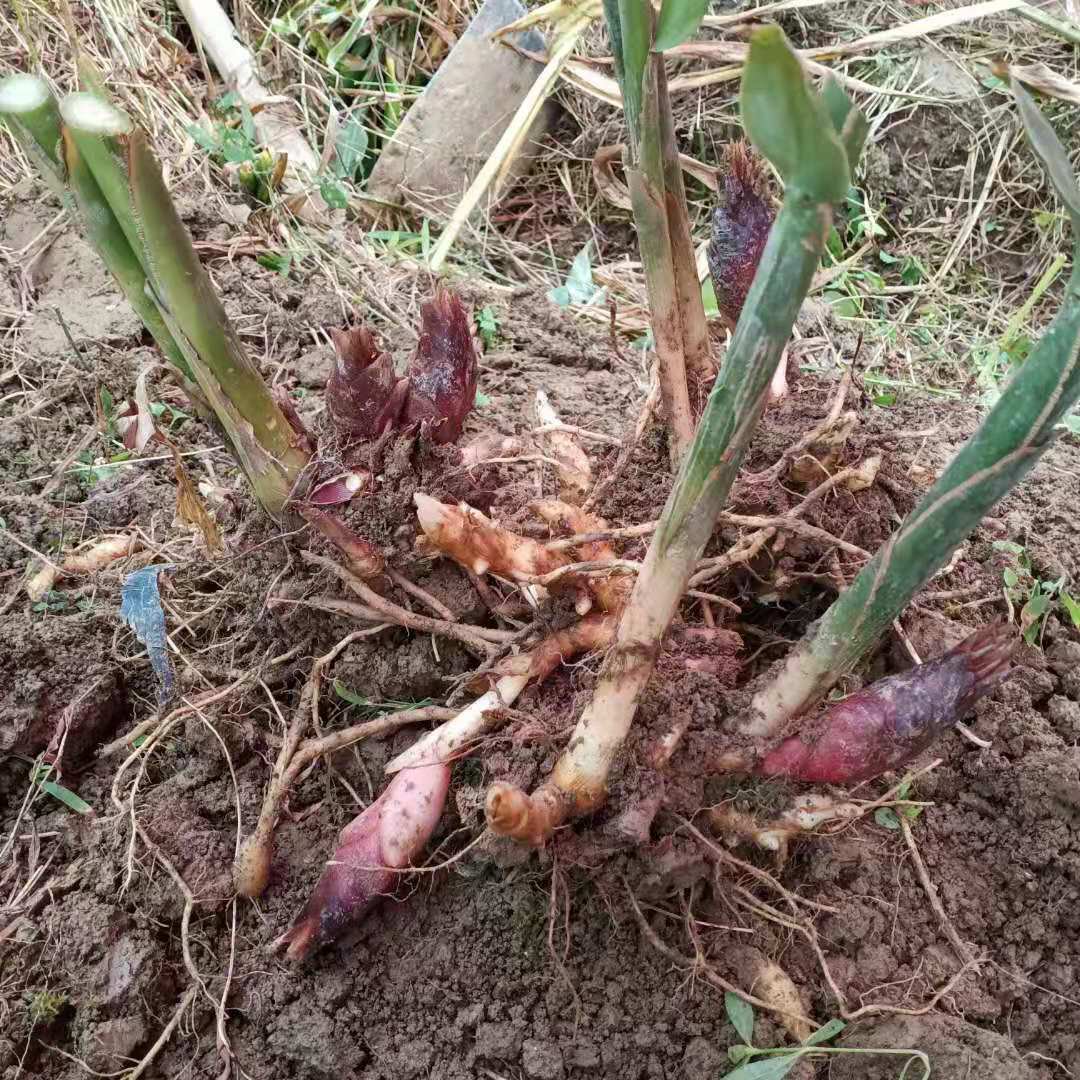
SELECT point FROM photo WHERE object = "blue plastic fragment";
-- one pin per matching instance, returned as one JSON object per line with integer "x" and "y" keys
{"x": 140, "y": 608}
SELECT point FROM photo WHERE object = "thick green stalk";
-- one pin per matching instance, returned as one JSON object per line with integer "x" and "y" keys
{"x": 777, "y": 104}
{"x": 1011, "y": 439}
{"x": 649, "y": 196}
{"x": 697, "y": 349}
{"x": 108, "y": 239}
{"x": 117, "y": 155}
{"x": 29, "y": 109}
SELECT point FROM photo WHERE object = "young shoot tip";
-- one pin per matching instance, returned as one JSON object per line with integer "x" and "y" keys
{"x": 22, "y": 93}
{"x": 87, "y": 113}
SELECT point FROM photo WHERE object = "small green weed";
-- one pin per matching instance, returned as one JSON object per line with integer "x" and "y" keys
{"x": 1034, "y": 597}
{"x": 888, "y": 818}
{"x": 487, "y": 325}
{"x": 371, "y": 708}
{"x": 579, "y": 287}
{"x": 773, "y": 1063}
{"x": 231, "y": 142}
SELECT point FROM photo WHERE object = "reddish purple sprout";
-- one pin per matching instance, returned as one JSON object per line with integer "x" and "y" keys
{"x": 443, "y": 372}
{"x": 371, "y": 851}
{"x": 366, "y": 399}
{"x": 740, "y": 228}
{"x": 887, "y": 724}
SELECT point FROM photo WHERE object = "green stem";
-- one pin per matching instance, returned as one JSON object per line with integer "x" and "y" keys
{"x": 29, "y": 109}
{"x": 654, "y": 175}
{"x": 783, "y": 278}
{"x": 697, "y": 350}
{"x": 723, "y": 434}
{"x": 772, "y": 81}
{"x": 649, "y": 195}
{"x": 128, "y": 176}
{"x": 108, "y": 239}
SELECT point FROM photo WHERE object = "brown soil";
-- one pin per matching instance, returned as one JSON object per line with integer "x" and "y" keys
{"x": 505, "y": 964}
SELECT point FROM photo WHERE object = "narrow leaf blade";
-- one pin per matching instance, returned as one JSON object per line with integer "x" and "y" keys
{"x": 1050, "y": 152}
{"x": 825, "y": 1032}
{"x": 772, "y": 1068}
{"x": 679, "y": 21}
{"x": 66, "y": 796}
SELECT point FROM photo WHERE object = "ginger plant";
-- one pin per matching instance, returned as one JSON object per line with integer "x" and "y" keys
{"x": 891, "y": 721}
{"x": 814, "y": 141}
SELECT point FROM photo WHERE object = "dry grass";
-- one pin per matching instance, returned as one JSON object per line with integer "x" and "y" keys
{"x": 948, "y": 176}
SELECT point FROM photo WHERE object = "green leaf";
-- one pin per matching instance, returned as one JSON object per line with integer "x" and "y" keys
{"x": 247, "y": 124}
{"x": 913, "y": 271}
{"x": 679, "y": 20}
{"x": 351, "y": 696}
{"x": 738, "y": 1053}
{"x": 348, "y": 39}
{"x": 481, "y": 400}
{"x": 1037, "y": 605}
{"x": 826, "y": 1032}
{"x": 236, "y": 147}
{"x": 849, "y": 122}
{"x": 886, "y": 818}
{"x": 40, "y": 776}
{"x": 66, "y": 796}
{"x": 579, "y": 287}
{"x": 886, "y": 401}
{"x": 277, "y": 261}
{"x": 203, "y": 138}
{"x": 708, "y": 299}
{"x": 788, "y": 122}
{"x": 1072, "y": 607}
{"x": 488, "y": 325}
{"x": 773, "y": 1068}
{"x": 1011, "y": 577}
{"x": 334, "y": 195}
{"x": 741, "y": 1015}
{"x": 1008, "y": 545}
{"x": 1050, "y": 152}
{"x": 351, "y": 147}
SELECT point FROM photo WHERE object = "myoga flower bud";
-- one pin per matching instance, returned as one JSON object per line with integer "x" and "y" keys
{"x": 891, "y": 721}
{"x": 363, "y": 395}
{"x": 443, "y": 372}
{"x": 372, "y": 851}
{"x": 740, "y": 228}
